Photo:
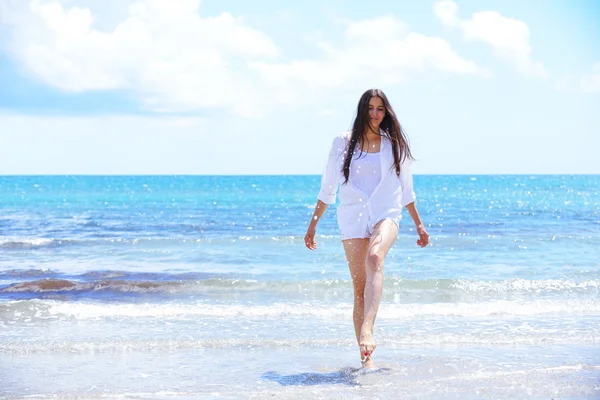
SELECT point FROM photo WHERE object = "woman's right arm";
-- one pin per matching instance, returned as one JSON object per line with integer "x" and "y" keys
{"x": 309, "y": 238}
{"x": 327, "y": 193}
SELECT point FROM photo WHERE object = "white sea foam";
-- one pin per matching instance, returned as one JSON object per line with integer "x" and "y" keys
{"x": 524, "y": 285}
{"x": 17, "y": 242}
{"x": 396, "y": 287}
{"x": 396, "y": 341}
{"x": 95, "y": 310}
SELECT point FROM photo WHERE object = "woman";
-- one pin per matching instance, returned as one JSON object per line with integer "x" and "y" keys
{"x": 371, "y": 164}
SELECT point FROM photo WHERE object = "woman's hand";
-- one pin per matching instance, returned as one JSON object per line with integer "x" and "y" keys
{"x": 414, "y": 214}
{"x": 309, "y": 238}
{"x": 423, "y": 236}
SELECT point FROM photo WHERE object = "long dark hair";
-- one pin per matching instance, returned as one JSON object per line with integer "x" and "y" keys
{"x": 390, "y": 126}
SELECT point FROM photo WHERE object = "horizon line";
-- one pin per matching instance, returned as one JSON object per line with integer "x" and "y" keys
{"x": 283, "y": 175}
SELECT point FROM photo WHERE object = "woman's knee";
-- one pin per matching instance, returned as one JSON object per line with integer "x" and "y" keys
{"x": 375, "y": 260}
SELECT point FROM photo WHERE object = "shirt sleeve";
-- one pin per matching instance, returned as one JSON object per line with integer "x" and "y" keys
{"x": 330, "y": 179}
{"x": 406, "y": 180}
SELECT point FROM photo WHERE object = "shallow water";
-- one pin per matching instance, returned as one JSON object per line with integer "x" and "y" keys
{"x": 200, "y": 287}
{"x": 308, "y": 370}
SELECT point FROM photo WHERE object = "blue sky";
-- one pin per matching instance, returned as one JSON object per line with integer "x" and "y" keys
{"x": 236, "y": 87}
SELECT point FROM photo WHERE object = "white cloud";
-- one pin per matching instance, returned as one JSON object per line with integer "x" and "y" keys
{"x": 173, "y": 59}
{"x": 508, "y": 37}
{"x": 163, "y": 50}
{"x": 446, "y": 11}
{"x": 591, "y": 82}
{"x": 380, "y": 51}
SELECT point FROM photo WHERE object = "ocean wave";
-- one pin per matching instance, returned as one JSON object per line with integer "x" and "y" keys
{"x": 27, "y": 273}
{"x": 20, "y": 310}
{"x": 27, "y": 243}
{"x": 386, "y": 341}
{"x": 190, "y": 283}
{"x": 46, "y": 273}
{"x": 525, "y": 285}
{"x": 212, "y": 284}
{"x": 65, "y": 285}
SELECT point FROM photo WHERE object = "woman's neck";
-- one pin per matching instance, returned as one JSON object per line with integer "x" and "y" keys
{"x": 372, "y": 134}
{"x": 370, "y": 141}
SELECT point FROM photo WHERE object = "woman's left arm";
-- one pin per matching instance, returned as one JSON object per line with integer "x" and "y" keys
{"x": 408, "y": 201}
{"x": 421, "y": 231}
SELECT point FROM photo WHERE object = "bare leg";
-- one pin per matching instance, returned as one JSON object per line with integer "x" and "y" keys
{"x": 384, "y": 235}
{"x": 356, "y": 254}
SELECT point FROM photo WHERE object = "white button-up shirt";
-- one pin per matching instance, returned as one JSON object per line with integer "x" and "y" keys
{"x": 358, "y": 213}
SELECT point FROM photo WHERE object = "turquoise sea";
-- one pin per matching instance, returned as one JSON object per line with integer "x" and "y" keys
{"x": 186, "y": 287}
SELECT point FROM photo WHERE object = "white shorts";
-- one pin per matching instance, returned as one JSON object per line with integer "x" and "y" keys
{"x": 362, "y": 233}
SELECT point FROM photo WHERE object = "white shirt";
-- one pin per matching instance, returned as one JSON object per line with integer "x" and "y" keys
{"x": 358, "y": 212}
{"x": 365, "y": 171}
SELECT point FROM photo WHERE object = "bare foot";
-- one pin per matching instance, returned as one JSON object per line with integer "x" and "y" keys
{"x": 367, "y": 344}
{"x": 367, "y": 363}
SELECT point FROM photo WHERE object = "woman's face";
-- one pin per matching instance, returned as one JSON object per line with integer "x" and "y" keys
{"x": 376, "y": 112}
